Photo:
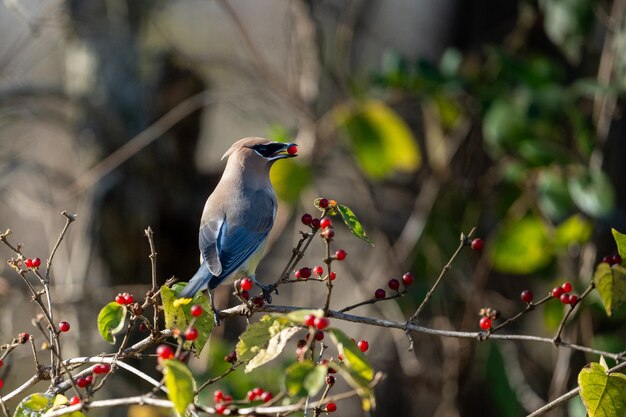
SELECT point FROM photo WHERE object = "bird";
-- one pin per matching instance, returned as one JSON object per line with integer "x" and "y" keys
{"x": 237, "y": 217}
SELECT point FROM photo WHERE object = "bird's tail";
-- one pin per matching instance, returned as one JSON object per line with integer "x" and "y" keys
{"x": 198, "y": 282}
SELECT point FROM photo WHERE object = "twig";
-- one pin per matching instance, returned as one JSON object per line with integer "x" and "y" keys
{"x": 328, "y": 260}
{"x": 530, "y": 307}
{"x": 557, "y": 337}
{"x": 217, "y": 378}
{"x": 464, "y": 241}
{"x": 153, "y": 266}
{"x": 5, "y": 410}
{"x": 372, "y": 301}
{"x": 70, "y": 217}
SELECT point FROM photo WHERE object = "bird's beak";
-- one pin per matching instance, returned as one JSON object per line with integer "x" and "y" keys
{"x": 286, "y": 150}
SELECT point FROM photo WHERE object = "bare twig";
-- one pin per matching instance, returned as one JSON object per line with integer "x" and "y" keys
{"x": 464, "y": 241}
{"x": 70, "y": 217}
{"x": 155, "y": 288}
{"x": 217, "y": 378}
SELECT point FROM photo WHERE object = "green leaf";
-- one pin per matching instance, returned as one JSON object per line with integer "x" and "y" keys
{"x": 381, "y": 141}
{"x": 503, "y": 125}
{"x": 620, "y": 240}
{"x": 611, "y": 285}
{"x": 265, "y": 340}
{"x": 34, "y": 405}
{"x": 62, "y": 401}
{"x": 304, "y": 379}
{"x": 111, "y": 320}
{"x": 576, "y": 229}
{"x": 179, "y": 383}
{"x": 592, "y": 192}
{"x": 356, "y": 368}
{"x": 350, "y": 219}
{"x": 521, "y": 247}
{"x": 178, "y": 316}
{"x": 603, "y": 395}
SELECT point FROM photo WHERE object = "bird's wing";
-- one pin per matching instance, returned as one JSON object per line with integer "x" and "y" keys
{"x": 210, "y": 233}
{"x": 240, "y": 240}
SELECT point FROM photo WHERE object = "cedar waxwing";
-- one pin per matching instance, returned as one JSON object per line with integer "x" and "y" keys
{"x": 238, "y": 216}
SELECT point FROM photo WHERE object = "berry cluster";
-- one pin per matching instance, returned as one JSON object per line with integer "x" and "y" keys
{"x": 257, "y": 394}
{"x": 612, "y": 260}
{"x": 562, "y": 293}
{"x": 222, "y": 401}
{"x": 32, "y": 262}
{"x": 124, "y": 298}
{"x": 394, "y": 285}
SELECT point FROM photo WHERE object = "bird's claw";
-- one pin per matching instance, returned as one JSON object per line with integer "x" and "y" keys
{"x": 267, "y": 292}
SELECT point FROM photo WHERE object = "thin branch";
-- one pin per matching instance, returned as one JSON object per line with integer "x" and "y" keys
{"x": 464, "y": 241}
{"x": 557, "y": 337}
{"x": 153, "y": 266}
{"x": 70, "y": 217}
{"x": 373, "y": 301}
{"x": 217, "y": 378}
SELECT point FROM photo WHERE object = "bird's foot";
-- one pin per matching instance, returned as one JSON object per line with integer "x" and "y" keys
{"x": 216, "y": 316}
{"x": 267, "y": 292}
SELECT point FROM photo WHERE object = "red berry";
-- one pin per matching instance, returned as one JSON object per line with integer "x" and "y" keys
{"x": 258, "y": 301}
{"x": 564, "y": 298}
{"x": 218, "y": 396}
{"x": 164, "y": 352}
{"x": 573, "y": 299}
{"x": 120, "y": 299}
{"x": 318, "y": 270}
{"x": 323, "y": 203}
{"x": 191, "y": 333}
{"x": 196, "y": 310}
{"x": 292, "y": 150}
{"x": 315, "y": 223}
{"x": 321, "y": 323}
{"x": 340, "y": 357}
{"x": 325, "y": 222}
{"x": 1, "y": 363}
{"x": 23, "y": 338}
{"x": 394, "y": 284}
{"x": 306, "y": 219}
{"x": 64, "y": 327}
{"x": 245, "y": 295}
{"x": 606, "y": 259}
{"x": 330, "y": 380}
{"x": 567, "y": 287}
{"x": 29, "y": 263}
{"x": 309, "y": 320}
{"x": 75, "y": 400}
{"x": 258, "y": 391}
{"x": 128, "y": 298}
{"x": 1, "y": 383}
{"x": 81, "y": 382}
{"x": 246, "y": 284}
{"x": 228, "y": 399}
{"x": 526, "y": 296}
{"x": 477, "y": 244}
{"x": 616, "y": 260}
{"x": 340, "y": 255}
{"x": 380, "y": 293}
{"x": 266, "y": 396}
{"x": 328, "y": 233}
{"x": 36, "y": 262}
{"x": 331, "y": 407}
{"x": 485, "y": 323}
{"x": 231, "y": 357}
{"x": 407, "y": 278}
{"x": 319, "y": 336}
{"x": 101, "y": 368}
{"x": 557, "y": 292}
{"x": 89, "y": 379}
{"x": 251, "y": 396}
{"x": 363, "y": 345}
{"x": 303, "y": 273}
{"x": 332, "y": 275}
{"x": 220, "y": 408}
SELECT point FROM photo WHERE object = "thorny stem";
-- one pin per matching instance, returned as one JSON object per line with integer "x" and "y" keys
{"x": 464, "y": 241}
{"x": 557, "y": 337}
{"x": 155, "y": 289}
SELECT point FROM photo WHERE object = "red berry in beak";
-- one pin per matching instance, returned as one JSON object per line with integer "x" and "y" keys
{"x": 292, "y": 150}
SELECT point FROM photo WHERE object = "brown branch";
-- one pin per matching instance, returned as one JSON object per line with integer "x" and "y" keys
{"x": 557, "y": 337}
{"x": 217, "y": 378}
{"x": 153, "y": 267}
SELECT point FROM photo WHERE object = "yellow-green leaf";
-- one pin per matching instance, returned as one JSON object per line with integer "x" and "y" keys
{"x": 289, "y": 177}
{"x": 620, "y": 240}
{"x": 34, "y": 405}
{"x": 381, "y": 140}
{"x": 304, "y": 379}
{"x": 356, "y": 368}
{"x": 179, "y": 383}
{"x": 611, "y": 285}
{"x": 521, "y": 247}
{"x": 603, "y": 395}
{"x": 350, "y": 219}
{"x": 178, "y": 315}
{"x": 111, "y": 320}
{"x": 576, "y": 229}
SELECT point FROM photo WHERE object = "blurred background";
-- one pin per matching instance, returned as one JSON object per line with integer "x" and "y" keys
{"x": 426, "y": 117}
